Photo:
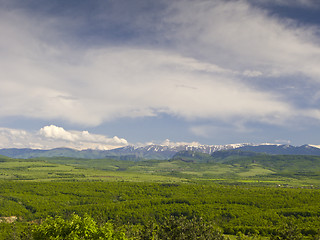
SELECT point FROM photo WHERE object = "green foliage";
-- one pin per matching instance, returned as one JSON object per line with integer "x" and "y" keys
{"x": 148, "y": 207}
{"x": 188, "y": 197}
{"x": 74, "y": 229}
{"x": 181, "y": 228}
{"x": 173, "y": 228}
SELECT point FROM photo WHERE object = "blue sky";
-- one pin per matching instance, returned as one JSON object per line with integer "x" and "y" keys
{"x": 104, "y": 74}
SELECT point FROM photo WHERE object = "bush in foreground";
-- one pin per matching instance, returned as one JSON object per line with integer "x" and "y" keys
{"x": 76, "y": 228}
{"x": 173, "y": 228}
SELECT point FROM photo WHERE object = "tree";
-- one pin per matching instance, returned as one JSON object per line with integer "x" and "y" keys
{"x": 181, "y": 228}
{"x": 74, "y": 229}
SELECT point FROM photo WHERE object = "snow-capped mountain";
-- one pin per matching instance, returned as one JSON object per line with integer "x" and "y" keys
{"x": 177, "y": 148}
{"x": 160, "y": 151}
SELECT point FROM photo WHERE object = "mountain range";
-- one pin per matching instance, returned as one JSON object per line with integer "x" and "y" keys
{"x": 158, "y": 152}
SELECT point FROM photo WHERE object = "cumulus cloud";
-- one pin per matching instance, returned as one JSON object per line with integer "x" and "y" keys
{"x": 52, "y": 137}
{"x": 83, "y": 139}
{"x": 59, "y": 133}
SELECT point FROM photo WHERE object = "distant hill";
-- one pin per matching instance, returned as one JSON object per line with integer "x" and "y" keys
{"x": 192, "y": 156}
{"x": 159, "y": 152}
{"x": 282, "y": 149}
{"x": 278, "y": 163}
{"x": 4, "y": 158}
{"x": 238, "y": 158}
{"x": 235, "y": 153}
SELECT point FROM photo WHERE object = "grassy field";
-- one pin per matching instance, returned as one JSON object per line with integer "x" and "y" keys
{"x": 36, "y": 170}
{"x": 69, "y": 169}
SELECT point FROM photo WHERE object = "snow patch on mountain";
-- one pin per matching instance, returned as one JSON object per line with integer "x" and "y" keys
{"x": 315, "y": 146}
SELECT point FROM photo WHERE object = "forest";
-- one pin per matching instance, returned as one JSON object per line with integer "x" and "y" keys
{"x": 187, "y": 197}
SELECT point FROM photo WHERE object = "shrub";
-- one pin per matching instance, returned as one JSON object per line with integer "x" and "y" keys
{"x": 74, "y": 229}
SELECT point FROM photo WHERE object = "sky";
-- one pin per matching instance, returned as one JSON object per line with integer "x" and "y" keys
{"x": 109, "y": 73}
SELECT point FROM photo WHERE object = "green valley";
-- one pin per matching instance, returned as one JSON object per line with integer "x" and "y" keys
{"x": 232, "y": 195}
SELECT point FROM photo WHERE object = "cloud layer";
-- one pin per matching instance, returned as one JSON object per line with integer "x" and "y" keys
{"x": 205, "y": 60}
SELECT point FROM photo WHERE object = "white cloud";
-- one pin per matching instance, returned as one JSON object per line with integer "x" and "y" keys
{"x": 217, "y": 42}
{"x": 169, "y": 143}
{"x": 235, "y": 34}
{"x": 58, "y": 133}
{"x": 83, "y": 139}
{"x": 157, "y": 81}
{"x": 53, "y": 137}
